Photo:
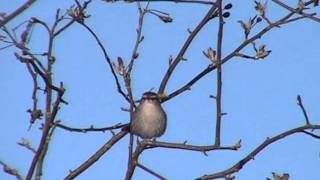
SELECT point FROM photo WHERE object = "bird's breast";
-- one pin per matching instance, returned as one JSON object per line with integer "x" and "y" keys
{"x": 150, "y": 111}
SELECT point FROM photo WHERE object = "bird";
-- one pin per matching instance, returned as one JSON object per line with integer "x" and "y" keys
{"x": 149, "y": 119}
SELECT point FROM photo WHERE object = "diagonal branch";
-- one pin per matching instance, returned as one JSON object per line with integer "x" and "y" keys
{"x": 285, "y": 20}
{"x": 18, "y": 11}
{"x": 150, "y": 171}
{"x": 132, "y": 166}
{"x": 240, "y": 164}
{"x": 184, "y": 48}
{"x": 311, "y": 134}
{"x": 300, "y": 104}
{"x": 42, "y": 148}
{"x": 173, "y": 1}
{"x": 310, "y": 16}
{"x": 9, "y": 170}
{"x": 108, "y": 59}
{"x": 96, "y": 156}
{"x": 82, "y": 8}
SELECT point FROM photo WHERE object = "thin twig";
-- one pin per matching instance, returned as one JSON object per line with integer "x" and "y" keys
{"x": 311, "y": 134}
{"x": 90, "y": 129}
{"x": 25, "y": 143}
{"x": 107, "y": 58}
{"x": 63, "y": 28}
{"x": 9, "y": 170}
{"x": 150, "y": 171}
{"x": 310, "y": 16}
{"x": 34, "y": 77}
{"x": 35, "y": 63}
{"x": 7, "y": 46}
{"x": 134, "y": 53}
{"x": 300, "y": 104}
{"x": 295, "y": 19}
{"x": 23, "y": 49}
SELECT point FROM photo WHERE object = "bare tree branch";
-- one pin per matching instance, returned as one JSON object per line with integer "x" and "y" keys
{"x": 173, "y": 1}
{"x": 300, "y": 104}
{"x": 183, "y": 146}
{"x": 54, "y": 93}
{"x": 147, "y": 144}
{"x": 9, "y": 170}
{"x": 211, "y": 67}
{"x": 139, "y": 149}
{"x": 51, "y": 111}
{"x": 44, "y": 143}
{"x": 127, "y": 76}
{"x": 240, "y": 164}
{"x": 108, "y": 59}
{"x": 184, "y": 48}
{"x": 96, "y": 156}
{"x": 300, "y": 12}
{"x": 25, "y": 143}
{"x": 90, "y": 129}
{"x": 18, "y": 11}
{"x": 150, "y": 171}
{"x": 63, "y": 28}
{"x": 311, "y": 134}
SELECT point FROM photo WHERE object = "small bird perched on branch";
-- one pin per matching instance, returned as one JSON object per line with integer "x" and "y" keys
{"x": 149, "y": 119}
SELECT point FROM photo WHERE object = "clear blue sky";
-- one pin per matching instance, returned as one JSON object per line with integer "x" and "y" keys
{"x": 259, "y": 96}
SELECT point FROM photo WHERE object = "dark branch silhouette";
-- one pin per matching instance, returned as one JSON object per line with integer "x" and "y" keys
{"x": 40, "y": 68}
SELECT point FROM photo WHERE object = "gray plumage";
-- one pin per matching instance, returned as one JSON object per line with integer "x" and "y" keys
{"x": 149, "y": 119}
